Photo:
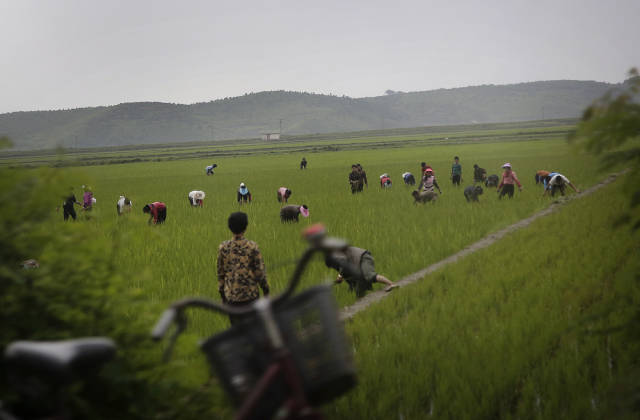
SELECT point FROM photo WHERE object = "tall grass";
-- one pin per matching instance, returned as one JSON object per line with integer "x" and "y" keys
{"x": 513, "y": 331}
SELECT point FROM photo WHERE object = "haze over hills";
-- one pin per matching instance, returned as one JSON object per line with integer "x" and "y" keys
{"x": 250, "y": 115}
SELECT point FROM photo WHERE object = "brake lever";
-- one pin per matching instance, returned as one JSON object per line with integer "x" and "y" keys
{"x": 181, "y": 325}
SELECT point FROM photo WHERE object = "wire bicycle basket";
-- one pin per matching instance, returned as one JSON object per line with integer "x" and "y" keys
{"x": 312, "y": 332}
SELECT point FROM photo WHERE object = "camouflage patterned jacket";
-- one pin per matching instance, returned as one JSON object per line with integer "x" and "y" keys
{"x": 240, "y": 271}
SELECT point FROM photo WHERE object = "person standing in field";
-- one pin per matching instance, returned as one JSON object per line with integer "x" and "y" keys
{"x": 240, "y": 267}
{"x": 456, "y": 171}
{"x": 124, "y": 204}
{"x": 283, "y": 194}
{"x": 244, "y": 195}
{"x": 303, "y": 163}
{"x": 509, "y": 178}
{"x": 363, "y": 178}
{"x": 429, "y": 182}
{"x": 479, "y": 174}
{"x": 557, "y": 183}
{"x": 67, "y": 206}
{"x": 355, "y": 179}
{"x": 158, "y": 212}
{"x": 196, "y": 198}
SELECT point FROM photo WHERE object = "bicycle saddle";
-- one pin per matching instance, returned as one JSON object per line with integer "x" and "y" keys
{"x": 60, "y": 360}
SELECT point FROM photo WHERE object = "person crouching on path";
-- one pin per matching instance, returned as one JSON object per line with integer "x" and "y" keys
{"x": 244, "y": 195}
{"x": 362, "y": 260}
{"x": 158, "y": 212}
{"x": 292, "y": 212}
{"x": 429, "y": 182}
{"x": 509, "y": 178}
{"x": 240, "y": 267}
{"x": 124, "y": 204}
{"x": 196, "y": 198}
{"x": 557, "y": 183}
{"x": 283, "y": 194}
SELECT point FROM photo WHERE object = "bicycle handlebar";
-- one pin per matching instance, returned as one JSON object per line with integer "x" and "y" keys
{"x": 318, "y": 243}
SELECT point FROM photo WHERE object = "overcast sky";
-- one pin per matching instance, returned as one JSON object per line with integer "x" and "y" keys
{"x": 69, "y": 54}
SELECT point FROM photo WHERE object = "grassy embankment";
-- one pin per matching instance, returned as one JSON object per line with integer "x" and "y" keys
{"x": 514, "y": 331}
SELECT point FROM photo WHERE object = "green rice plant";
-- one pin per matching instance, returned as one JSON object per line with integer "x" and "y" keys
{"x": 517, "y": 330}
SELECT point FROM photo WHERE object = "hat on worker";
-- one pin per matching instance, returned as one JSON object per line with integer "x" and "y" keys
{"x": 507, "y": 165}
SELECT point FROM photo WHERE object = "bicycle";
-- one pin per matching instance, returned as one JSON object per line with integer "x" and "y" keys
{"x": 295, "y": 358}
{"x": 289, "y": 356}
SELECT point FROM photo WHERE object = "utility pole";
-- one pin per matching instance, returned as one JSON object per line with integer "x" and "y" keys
{"x": 280, "y": 126}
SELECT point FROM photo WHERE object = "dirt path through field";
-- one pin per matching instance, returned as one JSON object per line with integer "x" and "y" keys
{"x": 373, "y": 297}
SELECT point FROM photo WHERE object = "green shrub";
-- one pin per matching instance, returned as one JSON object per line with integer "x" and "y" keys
{"x": 79, "y": 291}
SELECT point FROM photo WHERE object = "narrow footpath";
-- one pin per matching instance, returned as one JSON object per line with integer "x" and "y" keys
{"x": 349, "y": 312}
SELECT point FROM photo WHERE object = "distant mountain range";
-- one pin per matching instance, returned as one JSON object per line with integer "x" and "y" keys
{"x": 251, "y": 115}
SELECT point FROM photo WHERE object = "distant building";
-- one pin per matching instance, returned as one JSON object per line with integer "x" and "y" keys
{"x": 271, "y": 136}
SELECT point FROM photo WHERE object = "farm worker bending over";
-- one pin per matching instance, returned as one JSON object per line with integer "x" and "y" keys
{"x": 243, "y": 194}
{"x": 509, "y": 178}
{"x": 408, "y": 178}
{"x": 385, "y": 181}
{"x": 456, "y": 171}
{"x": 283, "y": 194}
{"x": 196, "y": 198}
{"x": 429, "y": 182}
{"x": 291, "y": 212}
{"x": 209, "y": 169}
{"x": 541, "y": 175}
{"x": 240, "y": 267}
{"x": 158, "y": 212}
{"x": 479, "y": 174}
{"x": 87, "y": 199}
{"x": 557, "y": 183}
{"x": 123, "y": 204}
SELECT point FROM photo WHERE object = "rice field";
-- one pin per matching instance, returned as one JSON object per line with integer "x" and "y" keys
{"x": 480, "y": 339}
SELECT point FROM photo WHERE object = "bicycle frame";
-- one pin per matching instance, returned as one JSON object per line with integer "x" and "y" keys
{"x": 283, "y": 364}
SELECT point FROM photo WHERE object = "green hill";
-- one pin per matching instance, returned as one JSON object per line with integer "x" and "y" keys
{"x": 250, "y": 115}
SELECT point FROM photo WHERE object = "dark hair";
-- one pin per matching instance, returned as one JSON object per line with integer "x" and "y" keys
{"x": 305, "y": 206}
{"x": 423, "y": 163}
{"x": 456, "y": 157}
{"x": 475, "y": 165}
{"x": 146, "y": 209}
{"x": 238, "y": 222}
